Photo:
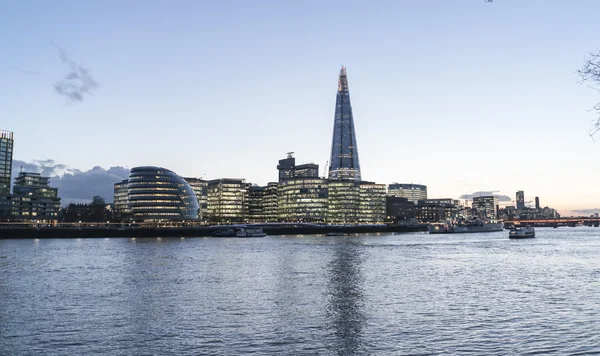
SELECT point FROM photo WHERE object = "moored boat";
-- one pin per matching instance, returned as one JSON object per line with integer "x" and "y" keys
{"x": 240, "y": 231}
{"x": 469, "y": 226}
{"x": 522, "y": 232}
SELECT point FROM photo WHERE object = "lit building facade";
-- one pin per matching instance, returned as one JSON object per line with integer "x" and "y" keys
{"x": 289, "y": 170}
{"x": 227, "y": 200}
{"x": 486, "y": 206}
{"x": 33, "y": 199}
{"x": 371, "y": 209}
{"x": 344, "y": 163}
{"x": 121, "y": 208}
{"x": 435, "y": 212}
{"x": 200, "y": 188}
{"x": 6, "y": 156}
{"x": 520, "y": 200}
{"x": 256, "y": 207}
{"x": 269, "y": 201}
{"x": 158, "y": 194}
{"x": 343, "y": 202}
{"x": 412, "y": 192}
{"x": 303, "y": 199}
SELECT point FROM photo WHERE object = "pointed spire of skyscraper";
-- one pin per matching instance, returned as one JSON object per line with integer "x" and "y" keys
{"x": 344, "y": 162}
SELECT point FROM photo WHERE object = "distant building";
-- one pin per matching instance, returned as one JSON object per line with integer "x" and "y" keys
{"x": 435, "y": 212}
{"x": 412, "y": 192}
{"x": 6, "y": 156}
{"x": 454, "y": 202}
{"x": 289, "y": 170}
{"x": 33, "y": 199}
{"x": 303, "y": 199}
{"x": 398, "y": 209}
{"x": 344, "y": 163}
{"x": 486, "y": 206}
{"x": 121, "y": 209}
{"x": 227, "y": 200}
{"x": 520, "y": 199}
{"x": 200, "y": 188}
{"x": 158, "y": 194}
{"x": 537, "y": 202}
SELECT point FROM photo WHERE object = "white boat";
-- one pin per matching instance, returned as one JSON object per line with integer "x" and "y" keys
{"x": 521, "y": 232}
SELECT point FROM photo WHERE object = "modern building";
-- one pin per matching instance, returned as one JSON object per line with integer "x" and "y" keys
{"x": 227, "y": 200}
{"x": 450, "y": 201}
{"x": 200, "y": 188}
{"x": 372, "y": 203}
{"x": 399, "y": 209}
{"x": 256, "y": 207}
{"x": 34, "y": 200}
{"x": 412, "y": 192}
{"x": 435, "y": 212}
{"x": 158, "y": 194}
{"x": 486, "y": 206}
{"x": 121, "y": 209}
{"x": 344, "y": 163}
{"x": 520, "y": 200}
{"x": 537, "y": 202}
{"x": 303, "y": 199}
{"x": 269, "y": 201}
{"x": 343, "y": 201}
{"x": 6, "y": 156}
{"x": 289, "y": 170}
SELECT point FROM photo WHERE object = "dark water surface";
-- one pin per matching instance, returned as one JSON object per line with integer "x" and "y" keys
{"x": 479, "y": 294}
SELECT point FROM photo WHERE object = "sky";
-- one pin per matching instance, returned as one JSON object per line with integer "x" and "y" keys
{"x": 460, "y": 95}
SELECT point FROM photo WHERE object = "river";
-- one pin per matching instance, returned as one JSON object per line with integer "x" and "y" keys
{"x": 413, "y": 293}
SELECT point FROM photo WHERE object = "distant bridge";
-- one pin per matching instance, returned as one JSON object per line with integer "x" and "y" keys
{"x": 570, "y": 221}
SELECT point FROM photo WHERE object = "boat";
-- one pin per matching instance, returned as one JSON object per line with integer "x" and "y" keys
{"x": 240, "y": 231}
{"x": 522, "y": 232}
{"x": 466, "y": 226}
{"x": 336, "y": 233}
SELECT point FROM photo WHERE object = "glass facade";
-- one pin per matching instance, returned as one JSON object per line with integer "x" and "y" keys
{"x": 269, "y": 201}
{"x": 33, "y": 199}
{"x": 158, "y": 194}
{"x": 302, "y": 199}
{"x": 343, "y": 202}
{"x": 372, "y": 203}
{"x": 485, "y": 206}
{"x": 520, "y": 200}
{"x": 6, "y": 156}
{"x": 344, "y": 163}
{"x": 412, "y": 192}
{"x": 121, "y": 208}
{"x": 288, "y": 169}
{"x": 227, "y": 200}
{"x": 200, "y": 188}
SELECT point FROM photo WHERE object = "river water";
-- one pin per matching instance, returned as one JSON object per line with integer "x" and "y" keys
{"x": 478, "y": 294}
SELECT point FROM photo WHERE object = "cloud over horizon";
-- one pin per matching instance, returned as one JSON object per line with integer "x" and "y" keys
{"x": 501, "y": 198}
{"x": 75, "y": 186}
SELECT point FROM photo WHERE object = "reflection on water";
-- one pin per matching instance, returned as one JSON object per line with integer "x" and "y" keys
{"x": 345, "y": 304}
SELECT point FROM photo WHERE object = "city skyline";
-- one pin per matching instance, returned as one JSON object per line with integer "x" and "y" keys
{"x": 496, "y": 113}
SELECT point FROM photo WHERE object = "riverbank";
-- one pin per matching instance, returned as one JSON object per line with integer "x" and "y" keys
{"x": 204, "y": 231}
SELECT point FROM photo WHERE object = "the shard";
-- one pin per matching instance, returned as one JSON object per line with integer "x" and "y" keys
{"x": 344, "y": 162}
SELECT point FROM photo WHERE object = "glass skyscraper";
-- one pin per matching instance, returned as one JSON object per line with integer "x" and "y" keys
{"x": 344, "y": 151}
{"x": 6, "y": 155}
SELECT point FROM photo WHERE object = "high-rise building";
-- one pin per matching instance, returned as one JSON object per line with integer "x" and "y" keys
{"x": 344, "y": 163}
{"x": 412, "y": 192}
{"x": 227, "y": 200}
{"x": 486, "y": 206}
{"x": 121, "y": 208}
{"x": 302, "y": 199}
{"x": 288, "y": 169}
{"x": 6, "y": 156}
{"x": 33, "y": 199}
{"x": 537, "y": 202}
{"x": 200, "y": 188}
{"x": 520, "y": 200}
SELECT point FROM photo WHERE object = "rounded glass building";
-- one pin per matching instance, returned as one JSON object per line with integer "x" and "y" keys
{"x": 156, "y": 194}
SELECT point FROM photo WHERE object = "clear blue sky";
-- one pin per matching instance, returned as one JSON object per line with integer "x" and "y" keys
{"x": 458, "y": 95}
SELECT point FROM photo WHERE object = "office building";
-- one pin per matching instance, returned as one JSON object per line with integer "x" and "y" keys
{"x": 227, "y": 200}
{"x": 6, "y": 156}
{"x": 158, "y": 194}
{"x": 412, "y": 192}
{"x": 269, "y": 201}
{"x": 289, "y": 170}
{"x": 200, "y": 188}
{"x": 372, "y": 203}
{"x": 121, "y": 209}
{"x": 435, "y": 212}
{"x": 520, "y": 200}
{"x": 34, "y": 200}
{"x": 537, "y": 202}
{"x": 256, "y": 207}
{"x": 344, "y": 163}
{"x": 302, "y": 199}
{"x": 343, "y": 201}
{"x": 450, "y": 201}
{"x": 486, "y": 206}
{"x": 398, "y": 209}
